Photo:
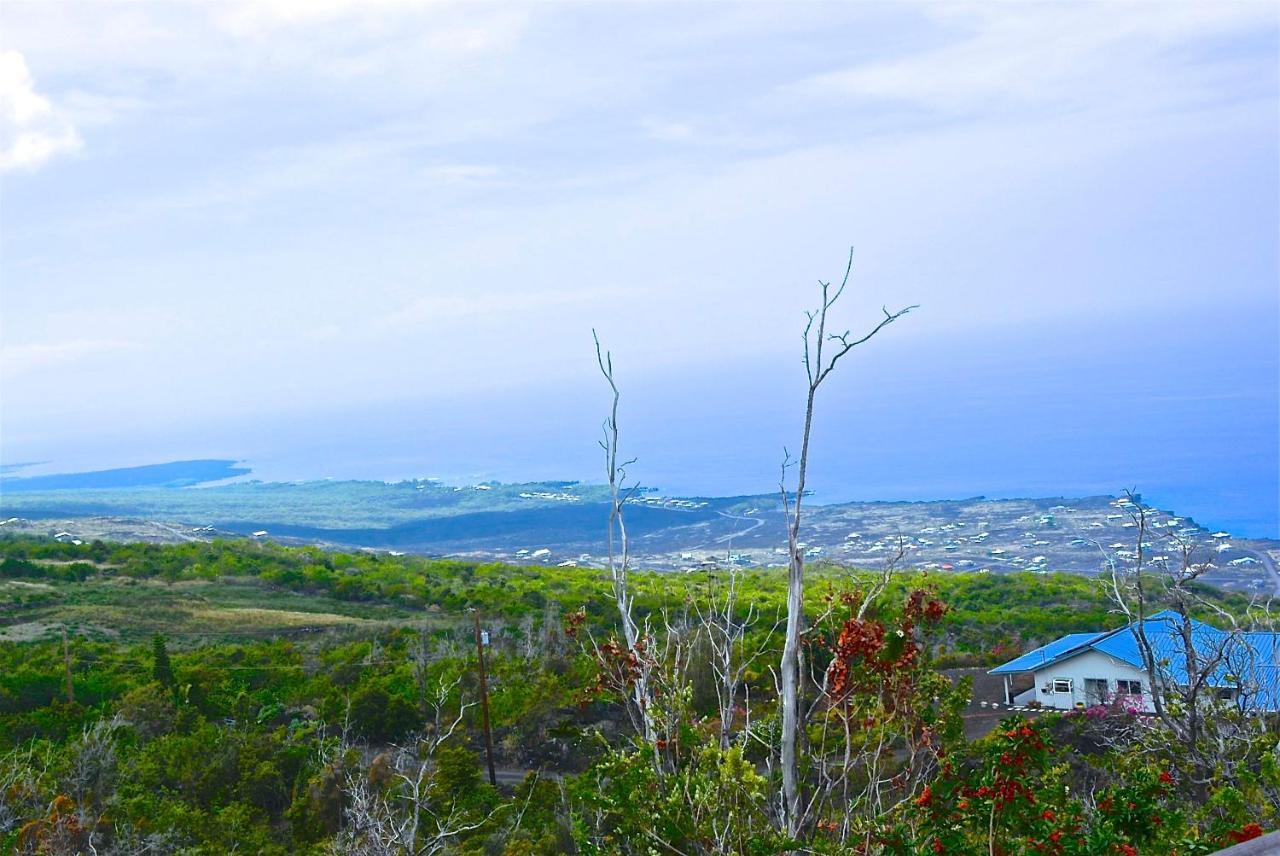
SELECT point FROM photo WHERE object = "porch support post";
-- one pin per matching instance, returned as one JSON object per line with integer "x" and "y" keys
{"x": 1008, "y": 699}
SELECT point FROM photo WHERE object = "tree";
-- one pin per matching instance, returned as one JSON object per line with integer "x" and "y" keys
{"x": 822, "y": 351}
{"x": 730, "y": 655}
{"x": 1208, "y": 685}
{"x": 411, "y": 800}
{"x": 635, "y": 660}
{"x": 161, "y": 670}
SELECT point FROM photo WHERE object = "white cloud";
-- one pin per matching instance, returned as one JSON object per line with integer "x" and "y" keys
{"x": 32, "y": 129}
{"x": 461, "y": 173}
{"x": 351, "y": 39}
{"x": 260, "y": 17}
{"x": 1069, "y": 55}
{"x": 436, "y": 309}
{"x": 667, "y": 132}
{"x": 20, "y": 359}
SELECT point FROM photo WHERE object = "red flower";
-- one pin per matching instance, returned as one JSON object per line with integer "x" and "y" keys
{"x": 1048, "y": 814}
{"x": 924, "y": 798}
{"x": 1165, "y": 777}
{"x": 1055, "y": 837}
{"x": 937, "y": 846}
{"x": 1127, "y": 849}
{"x": 1248, "y": 832}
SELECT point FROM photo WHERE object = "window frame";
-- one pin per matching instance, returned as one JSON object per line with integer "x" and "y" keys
{"x": 1121, "y": 683}
{"x": 1069, "y": 683}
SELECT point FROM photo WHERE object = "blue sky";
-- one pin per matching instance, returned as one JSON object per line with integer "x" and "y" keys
{"x": 220, "y": 216}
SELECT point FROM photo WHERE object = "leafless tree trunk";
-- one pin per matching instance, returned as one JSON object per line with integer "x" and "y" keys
{"x": 390, "y": 809}
{"x": 730, "y": 655}
{"x": 822, "y": 351}
{"x": 1211, "y": 735}
{"x": 620, "y": 553}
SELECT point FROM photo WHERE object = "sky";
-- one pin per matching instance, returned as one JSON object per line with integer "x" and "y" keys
{"x": 372, "y": 239}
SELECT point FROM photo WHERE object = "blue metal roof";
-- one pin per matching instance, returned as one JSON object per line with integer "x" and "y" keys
{"x": 1249, "y": 661}
{"x": 1164, "y": 633}
{"x": 1046, "y": 654}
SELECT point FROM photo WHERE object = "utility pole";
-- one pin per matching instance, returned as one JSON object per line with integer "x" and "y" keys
{"x": 484, "y": 701}
{"x": 66, "y": 665}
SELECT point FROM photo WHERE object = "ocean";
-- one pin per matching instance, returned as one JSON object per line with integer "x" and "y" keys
{"x": 1189, "y": 418}
{"x": 1186, "y": 414}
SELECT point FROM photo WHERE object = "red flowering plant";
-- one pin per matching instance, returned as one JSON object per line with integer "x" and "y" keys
{"x": 996, "y": 801}
{"x": 1229, "y": 817}
{"x": 1014, "y": 798}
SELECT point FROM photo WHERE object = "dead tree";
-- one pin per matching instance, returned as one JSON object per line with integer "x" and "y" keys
{"x": 1209, "y": 686}
{"x": 822, "y": 351}
{"x": 726, "y": 632}
{"x": 641, "y": 695}
{"x": 872, "y": 754}
{"x": 390, "y": 806}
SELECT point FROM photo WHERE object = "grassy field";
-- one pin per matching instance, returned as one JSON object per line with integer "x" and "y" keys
{"x": 190, "y": 612}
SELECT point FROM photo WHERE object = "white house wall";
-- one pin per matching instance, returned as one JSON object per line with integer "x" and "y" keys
{"x": 1090, "y": 664}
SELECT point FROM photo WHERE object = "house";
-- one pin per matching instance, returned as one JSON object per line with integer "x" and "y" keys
{"x": 1099, "y": 668}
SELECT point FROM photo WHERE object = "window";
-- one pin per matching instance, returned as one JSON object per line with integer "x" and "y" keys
{"x": 1062, "y": 685}
{"x": 1128, "y": 687}
{"x": 1095, "y": 690}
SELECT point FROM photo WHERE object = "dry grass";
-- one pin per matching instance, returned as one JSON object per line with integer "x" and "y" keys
{"x": 188, "y": 612}
{"x": 275, "y": 617}
{"x": 24, "y": 584}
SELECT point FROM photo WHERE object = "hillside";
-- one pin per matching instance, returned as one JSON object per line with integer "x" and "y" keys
{"x": 563, "y": 522}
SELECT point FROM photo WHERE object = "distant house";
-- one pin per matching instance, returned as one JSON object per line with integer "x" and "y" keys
{"x": 1099, "y": 668}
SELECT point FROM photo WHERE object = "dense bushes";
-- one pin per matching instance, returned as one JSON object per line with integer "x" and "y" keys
{"x": 990, "y": 615}
{"x": 229, "y": 751}
{"x": 264, "y": 746}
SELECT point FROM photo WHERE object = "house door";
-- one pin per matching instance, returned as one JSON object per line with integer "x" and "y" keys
{"x": 1095, "y": 691}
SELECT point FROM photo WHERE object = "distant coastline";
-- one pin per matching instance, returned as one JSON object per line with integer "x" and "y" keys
{"x": 229, "y": 498}
{"x": 171, "y": 474}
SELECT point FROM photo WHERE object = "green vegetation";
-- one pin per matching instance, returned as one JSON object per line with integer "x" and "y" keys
{"x": 242, "y": 695}
{"x": 237, "y": 589}
{"x": 337, "y": 505}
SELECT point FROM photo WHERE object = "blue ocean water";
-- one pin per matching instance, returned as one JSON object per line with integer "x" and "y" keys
{"x": 1186, "y": 414}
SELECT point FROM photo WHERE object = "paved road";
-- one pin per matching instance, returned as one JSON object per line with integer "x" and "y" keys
{"x": 512, "y": 776}
{"x": 1265, "y": 559}
{"x": 756, "y": 523}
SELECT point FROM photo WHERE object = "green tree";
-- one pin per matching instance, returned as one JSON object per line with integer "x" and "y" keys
{"x": 161, "y": 669}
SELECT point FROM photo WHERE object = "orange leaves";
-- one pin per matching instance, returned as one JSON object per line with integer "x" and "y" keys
{"x": 62, "y": 822}
{"x": 573, "y": 622}
{"x": 869, "y": 655}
